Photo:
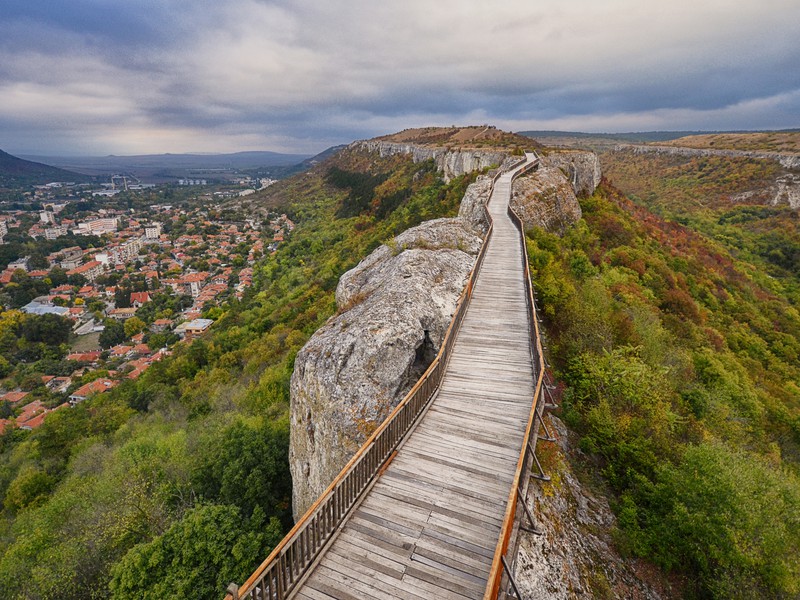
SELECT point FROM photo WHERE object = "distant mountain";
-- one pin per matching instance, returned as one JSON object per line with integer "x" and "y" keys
{"x": 16, "y": 171}
{"x": 283, "y": 171}
{"x": 171, "y": 165}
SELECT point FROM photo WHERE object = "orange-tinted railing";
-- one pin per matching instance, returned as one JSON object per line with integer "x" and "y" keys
{"x": 507, "y": 542}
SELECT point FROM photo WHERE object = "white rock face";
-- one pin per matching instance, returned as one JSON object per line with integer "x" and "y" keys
{"x": 545, "y": 199}
{"x": 451, "y": 163}
{"x": 581, "y": 167}
{"x": 394, "y": 309}
{"x": 786, "y": 191}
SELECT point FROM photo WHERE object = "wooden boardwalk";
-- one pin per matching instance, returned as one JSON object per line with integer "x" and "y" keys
{"x": 429, "y": 526}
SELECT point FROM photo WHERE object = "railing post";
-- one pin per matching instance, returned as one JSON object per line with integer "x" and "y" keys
{"x": 233, "y": 592}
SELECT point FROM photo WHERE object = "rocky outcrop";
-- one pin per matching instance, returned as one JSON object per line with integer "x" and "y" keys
{"x": 786, "y": 160}
{"x": 575, "y": 556}
{"x": 785, "y": 189}
{"x": 471, "y": 211}
{"x": 580, "y": 167}
{"x": 451, "y": 162}
{"x": 394, "y": 309}
{"x": 546, "y": 199}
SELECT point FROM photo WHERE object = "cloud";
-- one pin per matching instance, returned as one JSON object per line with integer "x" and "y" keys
{"x": 161, "y": 75}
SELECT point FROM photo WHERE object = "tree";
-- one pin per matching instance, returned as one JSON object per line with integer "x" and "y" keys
{"x": 133, "y": 326}
{"x": 195, "y": 558}
{"x": 57, "y": 276}
{"x": 30, "y": 487}
{"x": 47, "y": 329}
{"x": 112, "y": 334}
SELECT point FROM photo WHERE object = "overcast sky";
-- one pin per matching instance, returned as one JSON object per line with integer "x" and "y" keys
{"x": 151, "y": 76}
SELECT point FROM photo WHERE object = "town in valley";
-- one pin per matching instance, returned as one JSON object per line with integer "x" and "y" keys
{"x": 100, "y": 281}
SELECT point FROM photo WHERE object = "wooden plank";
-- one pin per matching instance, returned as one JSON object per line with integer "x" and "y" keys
{"x": 309, "y": 593}
{"x": 381, "y": 585}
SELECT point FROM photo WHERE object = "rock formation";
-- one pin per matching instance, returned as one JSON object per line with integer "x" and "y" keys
{"x": 582, "y": 168}
{"x": 546, "y": 199}
{"x": 394, "y": 309}
{"x": 451, "y": 163}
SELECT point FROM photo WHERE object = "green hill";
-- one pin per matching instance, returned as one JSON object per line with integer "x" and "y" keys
{"x": 16, "y": 172}
{"x": 672, "y": 328}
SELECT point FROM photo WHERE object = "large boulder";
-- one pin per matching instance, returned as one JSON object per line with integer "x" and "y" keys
{"x": 393, "y": 311}
{"x": 545, "y": 198}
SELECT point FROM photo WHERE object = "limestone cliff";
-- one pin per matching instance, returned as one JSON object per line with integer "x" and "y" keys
{"x": 582, "y": 168}
{"x": 784, "y": 190}
{"x": 451, "y": 162}
{"x": 394, "y": 309}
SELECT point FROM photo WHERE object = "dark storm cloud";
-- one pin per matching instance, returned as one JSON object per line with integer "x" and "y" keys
{"x": 163, "y": 75}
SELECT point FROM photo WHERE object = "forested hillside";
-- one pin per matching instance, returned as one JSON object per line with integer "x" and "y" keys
{"x": 679, "y": 346}
{"x": 177, "y": 483}
{"x": 16, "y": 171}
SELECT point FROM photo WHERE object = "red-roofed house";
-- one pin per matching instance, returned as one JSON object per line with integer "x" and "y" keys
{"x": 85, "y": 356}
{"x": 139, "y": 298}
{"x": 4, "y": 425}
{"x": 29, "y": 412}
{"x": 142, "y": 350}
{"x": 121, "y": 350}
{"x": 90, "y": 389}
{"x": 13, "y": 397}
{"x": 193, "y": 283}
{"x": 161, "y": 325}
{"x": 58, "y": 384}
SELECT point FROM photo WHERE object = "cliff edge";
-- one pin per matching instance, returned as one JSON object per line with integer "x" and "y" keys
{"x": 394, "y": 309}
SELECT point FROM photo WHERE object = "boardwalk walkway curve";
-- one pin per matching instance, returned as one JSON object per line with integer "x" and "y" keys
{"x": 426, "y": 508}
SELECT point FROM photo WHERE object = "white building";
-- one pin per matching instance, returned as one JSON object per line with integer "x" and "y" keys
{"x": 152, "y": 231}
{"x": 98, "y": 226}
{"x": 55, "y": 232}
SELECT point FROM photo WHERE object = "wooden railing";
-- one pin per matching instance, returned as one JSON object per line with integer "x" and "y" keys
{"x": 507, "y": 543}
{"x": 296, "y": 554}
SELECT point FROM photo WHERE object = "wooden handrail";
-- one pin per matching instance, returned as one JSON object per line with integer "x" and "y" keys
{"x": 509, "y": 528}
{"x": 289, "y": 561}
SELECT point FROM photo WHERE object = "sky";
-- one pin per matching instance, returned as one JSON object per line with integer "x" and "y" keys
{"x": 96, "y": 77}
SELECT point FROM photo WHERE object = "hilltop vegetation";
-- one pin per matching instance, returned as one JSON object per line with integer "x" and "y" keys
{"x": 772, "y": 141}
{"x": 681, "y": 366}
{"x": 479, "y": 136}
{"x": 177, "y": 483}
{"x": 724, "y": 198}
